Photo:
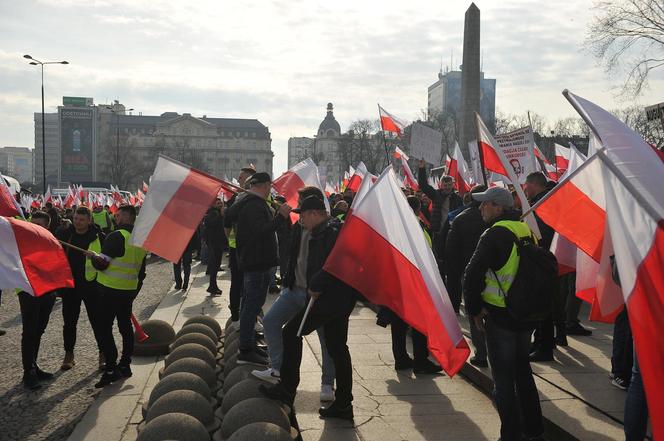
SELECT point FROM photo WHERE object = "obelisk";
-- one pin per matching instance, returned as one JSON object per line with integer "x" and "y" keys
{"x": 470, "y": 78}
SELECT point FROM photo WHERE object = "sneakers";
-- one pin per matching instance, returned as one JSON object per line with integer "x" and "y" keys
{"x": 214, "y": 291}
{"x": 268, "y": 375}
{"x": 577, "y": 329}
{"x": 124, "y": 371}
{"x": 107, "y": 378}
{"x": 251, "y": 357}
{"x": 426, "y": 367}
{"x": 479, "y": 362}
{"x": 326, "y": 392}
{"x": 277, "y": 392}
{"x": 336, "y": 411}
{"x": 102, "y": 361}
{"x": 30, "y": 380}
{"x": 620, "y": 382}
{"x": 68, "y": 362}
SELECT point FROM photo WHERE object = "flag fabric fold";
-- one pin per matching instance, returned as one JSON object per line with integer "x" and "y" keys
{"x": 400, "y": 272}
{"x": 31, "y": 258}
{"x": 458, "y": 169}
{"x": 178, "y": 199}
{"x": 304, "y": 173}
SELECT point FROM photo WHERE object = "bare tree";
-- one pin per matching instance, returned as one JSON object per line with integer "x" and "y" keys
{"x": 363, "y": 142}
{"x": 569, "y": 127}
{"x": 120, "y": 163}
{"x": 628, "y": 35}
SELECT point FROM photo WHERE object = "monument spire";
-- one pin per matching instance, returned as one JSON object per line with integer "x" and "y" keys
{"x": 470, "y": 78}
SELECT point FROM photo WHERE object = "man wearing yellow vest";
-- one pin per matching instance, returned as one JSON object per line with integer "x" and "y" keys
{"x": 121, "y": 270}
{"x": 88, "y": 236}
{"x": 101, "y": 218}
{"x": 488, "y": 276}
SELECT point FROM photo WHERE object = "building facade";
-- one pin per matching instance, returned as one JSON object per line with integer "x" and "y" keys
{"x": 103, "y": 144}
{"x": 17, "y": 162}
{"x": 444, "y": 96}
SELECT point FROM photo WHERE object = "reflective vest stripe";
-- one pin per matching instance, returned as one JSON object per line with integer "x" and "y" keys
{"x": 495, "y": 289}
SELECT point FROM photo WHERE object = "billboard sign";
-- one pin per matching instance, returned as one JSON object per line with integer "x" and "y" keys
{"x": 76, "y": 141}
{"x": 77, "y": 101}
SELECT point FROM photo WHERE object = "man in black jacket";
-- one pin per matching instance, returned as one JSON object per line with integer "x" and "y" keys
{"x": 256, "y": 226}
{"x": 81, "y": 233}
{"x": 334, "y": 302}
{"x": 488, "y": 276}
{"x": 464, "y": 233}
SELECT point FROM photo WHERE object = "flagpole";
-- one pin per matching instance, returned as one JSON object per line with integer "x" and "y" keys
{"x": 382, "y": 131}
{"x": 304, "y": 317}
{"x": 479, "y": 150}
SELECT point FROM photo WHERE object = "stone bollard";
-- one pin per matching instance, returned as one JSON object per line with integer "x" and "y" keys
{"x": 260, "y": 431}
{"x": 197, "y": 327}
{"x": 208, "y": 321}
{"x": 179, "y": 381}
{"x": 232, "y": 348}
{"x": 160, "y": 336}
{"x": 254, "y": 410}
{"x": 230, "y": 364}
{"x": 241, "y": 391}
{"x": 196, "y": 337}
{"x": 196, "y": 367}
{"x": 174, "y": 426}
{"x": 239, "y": 374}
{"x": 187, "y": 402}
{"x": 193, "y": 350}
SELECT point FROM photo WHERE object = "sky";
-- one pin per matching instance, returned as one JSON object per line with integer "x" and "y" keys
{"x": 282, "y": 61}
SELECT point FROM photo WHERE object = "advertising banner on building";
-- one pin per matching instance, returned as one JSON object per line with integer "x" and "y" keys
{"x": 76, "y": 141}
{"x": 518, "y": 148}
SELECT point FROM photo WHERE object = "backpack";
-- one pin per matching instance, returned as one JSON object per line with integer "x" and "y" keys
{"x": 530, "y": 297}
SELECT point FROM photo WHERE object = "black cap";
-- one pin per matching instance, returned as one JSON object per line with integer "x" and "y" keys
{"x": 259, "y": 178}
{"x": 310, "y": 203}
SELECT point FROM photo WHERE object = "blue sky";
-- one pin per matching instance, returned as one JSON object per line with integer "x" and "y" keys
{"x": 283, "y": 61}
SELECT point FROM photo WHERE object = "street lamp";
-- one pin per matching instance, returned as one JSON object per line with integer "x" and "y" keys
{"x": 36, "y": 62}
{"x": 117, "y": 136}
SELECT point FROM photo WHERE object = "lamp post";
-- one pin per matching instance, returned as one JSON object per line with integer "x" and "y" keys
{"x": 117, "y": 138}
{"x": 36, "y": 62}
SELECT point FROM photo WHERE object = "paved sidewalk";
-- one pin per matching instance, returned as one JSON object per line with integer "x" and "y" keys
{"x": 388, "y": 406}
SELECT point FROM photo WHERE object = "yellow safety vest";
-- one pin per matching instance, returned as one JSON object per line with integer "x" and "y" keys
{"x": 493, "y": 293}
{"x": 91, "y": 271}
{"x": 100, "y": 218}
{"x": 122, "y": 272}
{"x": 231, "y": 239}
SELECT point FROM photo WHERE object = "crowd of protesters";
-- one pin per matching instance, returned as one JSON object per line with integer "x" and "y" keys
{"x": 472, "y": 238}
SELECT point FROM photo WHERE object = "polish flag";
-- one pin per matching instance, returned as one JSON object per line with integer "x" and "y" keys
{"x": 409, "y": 179}
{"x": 458, "y": 169}
{"x": 47, "y": 196}
{"x": 329, "y": 189}
{"x": 391, "y": 123}
{"x": 495, "y": 160}
{"x": 549, "y": 170}
{"x": 31, "y": 258}
{"x": 8, "y": 205}
{"x": 356, "y": 179}
{"x": 398, "y": 153}
{"x": 145, "y": 187}
{"x": 400, "y": 272}
{"x": 302, "y": 174}
{"x": 625, "y": 194}
{"x": 448, "y": 163}
{"x": 172, "y": 210}
{"x": 562, "y": 158}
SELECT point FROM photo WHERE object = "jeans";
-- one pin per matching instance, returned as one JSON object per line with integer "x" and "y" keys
{"x": 214, "y": 262}
{"x": 237, "y": 285}
{"x": 399, "y": 329}
{"x": 116, "y": 304}
{"x": 71, "y": 310}
{"x": 636, "y": 407}
{"x": 515, "y": 392}
{"x": 35, "y": 312}
{"x": 256, "y": 284}
{"x": 290, "y": 302}
{"x": 621, "y": 355}
{"x": 336, "y": 335}
{"x": 183, "y": 264}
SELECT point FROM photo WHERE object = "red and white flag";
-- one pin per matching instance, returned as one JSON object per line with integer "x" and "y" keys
{"x": 391, "y": 123}
{"x": 409, "y": 178}
{"x": 496, "y": 161}
{"x": 8, "y": 204}
{"x": 300, "y": 175}
{"x": 549, "y": 170}
{"x": 400, "y": 271}
{"x": 31, "y": 258}
{"x": 562, "y": 159}
{"x": 621, "y": 187}
{"x": 178, "y": 199}
{"x": 356, "y": 179}
{"x": 398, "y": 153}
{"x": 459, "y": 170}
{"x": 145, "y": 187}
{"x": 48, "y": 197}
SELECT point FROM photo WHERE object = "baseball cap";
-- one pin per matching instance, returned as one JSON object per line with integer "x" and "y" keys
{"x": 310, "y": 203}
{"x": 259, "y": 178}
{"x": 497, "y": 195}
